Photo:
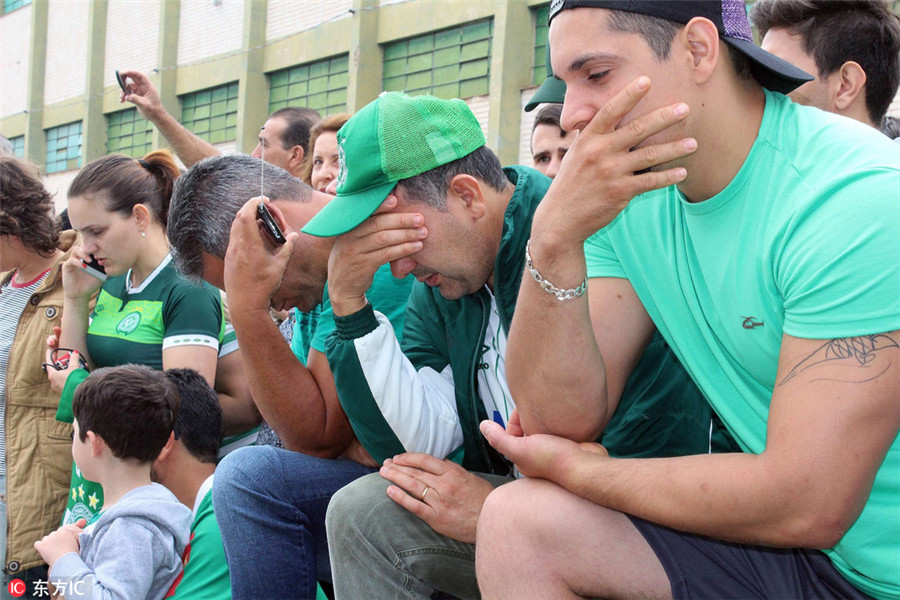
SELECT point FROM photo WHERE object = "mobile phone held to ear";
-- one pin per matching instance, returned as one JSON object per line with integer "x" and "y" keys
{"x": 94, "y": 267}
{"x": 121, "y": 81}
{"x": 272, "y": 229}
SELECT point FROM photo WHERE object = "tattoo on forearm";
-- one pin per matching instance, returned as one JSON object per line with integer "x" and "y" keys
{"x": 864, "y": 357}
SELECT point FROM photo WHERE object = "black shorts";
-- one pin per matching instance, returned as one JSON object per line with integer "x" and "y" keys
{"x": 701, "y": 567}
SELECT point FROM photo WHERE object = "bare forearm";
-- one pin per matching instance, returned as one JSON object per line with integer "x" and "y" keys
{"x": 286, "y": 393}
{"x": 553, "y": 365}
{"x": 73, "y": 326}
{"x": 239, "y": 416}
{"x": 189, "y": 148}
{"x": 736, "y": 497}
{"x": 238, "y": 408}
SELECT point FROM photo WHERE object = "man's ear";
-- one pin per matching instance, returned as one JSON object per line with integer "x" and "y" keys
{"x": 700, "y": 41}
{"x": 278, "y": 215}
{"x": 297, "y": 154}
{"x": 468, "y": 189}
{"x": 849, "y": 84}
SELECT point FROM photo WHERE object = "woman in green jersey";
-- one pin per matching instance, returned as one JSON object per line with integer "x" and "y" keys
{"x": 145, "y": 312}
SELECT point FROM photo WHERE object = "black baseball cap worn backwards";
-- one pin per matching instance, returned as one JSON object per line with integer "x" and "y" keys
{"x": 729, "y": 17}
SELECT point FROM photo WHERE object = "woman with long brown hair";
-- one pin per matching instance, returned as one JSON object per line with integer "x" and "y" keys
{"x": 146, "y": 312}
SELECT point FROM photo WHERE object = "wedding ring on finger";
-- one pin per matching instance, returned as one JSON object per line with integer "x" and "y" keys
{"x": 425, "y": 491}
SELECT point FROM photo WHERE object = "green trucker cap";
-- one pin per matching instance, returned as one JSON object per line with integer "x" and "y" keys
{"x": 553, "y": 90}
{"x": 394, "y": 137}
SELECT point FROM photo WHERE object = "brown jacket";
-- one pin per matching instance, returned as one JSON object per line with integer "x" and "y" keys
{"x": 38, "y": 447}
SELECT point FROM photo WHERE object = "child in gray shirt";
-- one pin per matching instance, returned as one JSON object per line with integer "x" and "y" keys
{"x": 132, "y": 551}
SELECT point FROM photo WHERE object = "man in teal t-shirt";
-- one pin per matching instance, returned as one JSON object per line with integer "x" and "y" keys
{"x": 762, "y": 244}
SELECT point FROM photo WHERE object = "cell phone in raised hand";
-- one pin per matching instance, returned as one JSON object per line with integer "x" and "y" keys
{"x": 271, "y": 227}
{"x": 94, "y": 267}
{"x": 121, "y": 81}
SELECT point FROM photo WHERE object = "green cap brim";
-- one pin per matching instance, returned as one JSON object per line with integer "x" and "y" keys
{"x": 552, "y": 91}
{"x": 343, "y": 213}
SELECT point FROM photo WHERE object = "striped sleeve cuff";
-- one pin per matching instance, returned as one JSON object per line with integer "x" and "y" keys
{"x": 190, "y": 339}
{"x": 356, "y": 325}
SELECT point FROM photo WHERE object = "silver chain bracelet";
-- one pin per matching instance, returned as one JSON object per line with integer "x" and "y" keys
{"x": 561, "y": 295}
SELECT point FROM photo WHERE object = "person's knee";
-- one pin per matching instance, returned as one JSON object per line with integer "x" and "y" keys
{"x": 500, "y": 516}
{"x": 238, "y": 470}
{"x": 350, "y": 507}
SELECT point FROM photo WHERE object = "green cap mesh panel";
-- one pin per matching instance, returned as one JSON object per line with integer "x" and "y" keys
{"x": 431, "y": 132}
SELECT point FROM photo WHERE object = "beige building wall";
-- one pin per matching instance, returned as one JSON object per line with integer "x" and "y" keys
{"x": 130, "y": 47}
{"x": 286, "y": 17}
{"x": 525, "y": 128}
{"x": 66, "y": 73}
{"x": 208, "y": 28}
{"x": 15, "y": 39}
{"x": 480, "y": 107}
{"x": 58, "y": 185}
{"x": 227, "y": 147}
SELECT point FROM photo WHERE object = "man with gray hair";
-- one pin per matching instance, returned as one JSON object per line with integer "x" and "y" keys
{"x": 298, "y": 398}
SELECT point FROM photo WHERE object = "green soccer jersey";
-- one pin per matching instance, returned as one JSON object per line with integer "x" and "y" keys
{"x": 135, "y": 325}
{"x": 798, "y": 243}
{"x": 205, "y": 575}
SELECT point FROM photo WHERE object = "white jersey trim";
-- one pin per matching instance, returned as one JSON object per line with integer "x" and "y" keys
{"x": 190, "y": 339}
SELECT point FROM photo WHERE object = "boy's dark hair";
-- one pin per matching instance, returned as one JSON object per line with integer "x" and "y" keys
{"x": 132, "y": 407}
{"x": 837, "y": 31}
{"x": 199, "y": 425}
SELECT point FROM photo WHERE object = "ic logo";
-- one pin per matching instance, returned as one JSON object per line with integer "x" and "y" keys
{"x": 16, "y": 588}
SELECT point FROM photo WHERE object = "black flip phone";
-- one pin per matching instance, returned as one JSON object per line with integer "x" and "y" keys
{"x": 94, "y": 267}
{"x": 121, "y": 81}
{"x": 269, "y": 224}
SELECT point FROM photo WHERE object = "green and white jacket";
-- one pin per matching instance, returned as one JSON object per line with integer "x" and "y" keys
{"x": 423, "y": 396}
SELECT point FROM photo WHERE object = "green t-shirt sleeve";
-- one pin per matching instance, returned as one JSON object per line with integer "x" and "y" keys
{"x": 601, "y": 258}
{"x": 193, "y": 310}
{"x": 324, "y": 326}
{"x": 206, "y": 575}
{"x": 839, "y": 281}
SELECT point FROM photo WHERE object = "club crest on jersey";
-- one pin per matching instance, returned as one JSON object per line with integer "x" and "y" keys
{"x": 129, "y": 323}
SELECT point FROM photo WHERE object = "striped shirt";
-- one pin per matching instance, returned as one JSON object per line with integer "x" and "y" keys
{"x": 13, "y": 300}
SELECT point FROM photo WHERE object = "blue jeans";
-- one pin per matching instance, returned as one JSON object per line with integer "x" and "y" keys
{"x": 270, "y": 504}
